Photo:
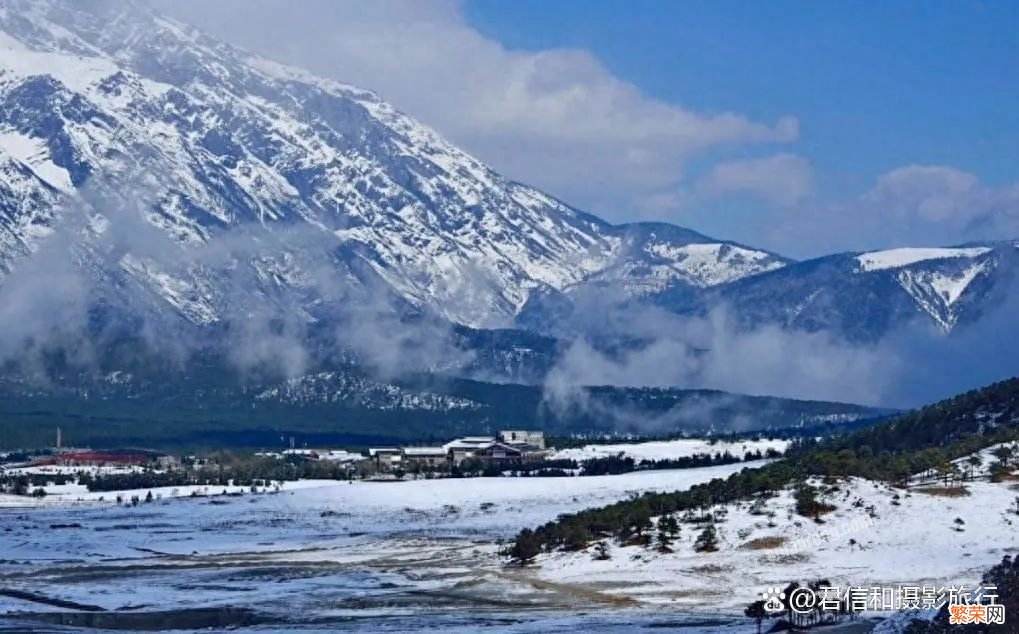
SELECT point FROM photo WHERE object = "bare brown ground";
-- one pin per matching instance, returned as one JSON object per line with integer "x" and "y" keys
{"x": 764, "y": 543}
{"x": 945, "y": 492}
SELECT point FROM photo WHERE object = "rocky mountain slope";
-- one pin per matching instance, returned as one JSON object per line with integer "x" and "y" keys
{"x": 861, "y": 296}
{"x": 158, "y": 184}
{"x": 867, "y": 295}
{"x": 235, "y": 168}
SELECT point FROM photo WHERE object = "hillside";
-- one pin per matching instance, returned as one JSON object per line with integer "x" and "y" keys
{"x": 867, "y": 295}
{"x": 206, "y": 408}
{"x": 891, "y": 451}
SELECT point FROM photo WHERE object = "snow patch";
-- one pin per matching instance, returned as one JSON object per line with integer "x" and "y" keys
{"x": 951, "y": 287}
{"x": 34, "y": 154}
{"x": 897, "y": 258}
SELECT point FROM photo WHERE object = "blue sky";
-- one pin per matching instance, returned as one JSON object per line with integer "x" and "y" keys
{"x": 801, "y": 127}
{"x": 875, "y": 85}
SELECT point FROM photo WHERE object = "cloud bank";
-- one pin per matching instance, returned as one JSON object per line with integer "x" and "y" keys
{"x": 915, "y": 205}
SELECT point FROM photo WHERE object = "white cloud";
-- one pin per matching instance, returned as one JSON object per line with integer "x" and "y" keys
{"x": 560, "y": 120}
{"x": 784, "y": 179}
{"x": 942, "y": 201}
{"x": 554, "y": 118}
{"x": 933, "y": 192}
{"x": 914, "y": 205}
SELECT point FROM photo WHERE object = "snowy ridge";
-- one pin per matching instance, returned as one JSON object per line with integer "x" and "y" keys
{"x": 700, "y": 262}
{"x": 935, "y": 278}
{"x": 897, "y": 258}
{"x": 275, "y": 188}
{"x": 34, "y": 154}
{"x": 865, "y": 296}
{"x": 936, "y": 292}
{"x": 657, "y": 265}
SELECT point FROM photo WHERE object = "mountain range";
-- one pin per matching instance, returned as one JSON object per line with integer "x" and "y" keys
{"x": 159, "y": 184}
{"x": 107, "y": 105}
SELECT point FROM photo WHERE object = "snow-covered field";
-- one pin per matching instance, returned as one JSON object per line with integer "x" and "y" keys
{"x": 416, "y": 553}
{"x": 492, "y": 507}
{"x": 665, "y": 449}
{"x": 327, "y": 550}
{"x": 877, "y": 536}
{"x": 71, "y": 494}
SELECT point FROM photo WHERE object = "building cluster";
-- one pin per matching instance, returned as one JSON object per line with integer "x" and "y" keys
{"x": 332, "y": 455}
{"x": 505, "y": 449}
{"x": 69, "y": 457}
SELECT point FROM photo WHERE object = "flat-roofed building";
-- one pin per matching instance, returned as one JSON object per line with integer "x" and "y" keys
{"x": 499, "y": 452}
{"x": 426, "y": 456}
{"x": 523, "y": 437}
{"x": 463, "y": 448}
{"x": 386, "y": 458}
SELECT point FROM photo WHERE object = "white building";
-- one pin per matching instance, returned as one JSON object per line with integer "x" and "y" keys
{"x": 523, "y": 437}
{"x": 463, "y": 448}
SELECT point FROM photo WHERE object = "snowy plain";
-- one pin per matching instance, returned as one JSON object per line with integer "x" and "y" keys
{"x": 402, "y": 556}
{"x": 666, "y": 449}
{"x": 385, "y": 551}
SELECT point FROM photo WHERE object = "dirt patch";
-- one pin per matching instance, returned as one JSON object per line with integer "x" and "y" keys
{"x": 710, "y": 569}
{"x": 782, "y": 560}
{"x": 701, "y": 594}
{"x": 197, "y": 618}
{"x": 764, "y": 543}
{"x": 35, "y": 597}
{"x": 945, "y": 492}
{"x": 567, "y": 590}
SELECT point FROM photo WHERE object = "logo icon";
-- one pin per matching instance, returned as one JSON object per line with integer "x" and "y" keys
{"x": 773, "y": 598}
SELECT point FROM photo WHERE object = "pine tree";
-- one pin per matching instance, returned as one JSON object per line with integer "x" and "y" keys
{"x": 526, "y": 547}
{"x": 577, "y": 537}
{"x": 756, "y": 612}
{"x": 671, "y": 526}
{"x": 707, "y": 541}
{"x": 668, "y": 527}
{"x": 664, "y": 541}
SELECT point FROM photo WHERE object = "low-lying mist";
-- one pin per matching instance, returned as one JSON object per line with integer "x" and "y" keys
{"x": 913, "y": 365}
{"x": 283, "y": 299}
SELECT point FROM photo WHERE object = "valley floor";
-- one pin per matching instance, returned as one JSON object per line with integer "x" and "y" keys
{"x": 403, "y": 556}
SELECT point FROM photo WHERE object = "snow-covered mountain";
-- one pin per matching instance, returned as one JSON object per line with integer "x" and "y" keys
{"x": 860, "y": 296}
{"x": 867, "y": 295}
{"x": 109, "y": 113}
{"x": 189, "y": 182}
